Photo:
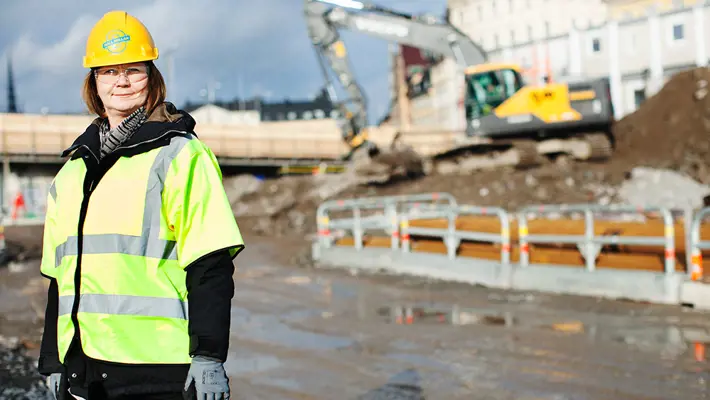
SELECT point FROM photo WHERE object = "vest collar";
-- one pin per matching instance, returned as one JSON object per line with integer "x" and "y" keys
{"x": 166, "y": 117}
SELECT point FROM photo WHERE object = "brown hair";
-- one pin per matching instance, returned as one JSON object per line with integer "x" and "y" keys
{"x": 156, "y": 91}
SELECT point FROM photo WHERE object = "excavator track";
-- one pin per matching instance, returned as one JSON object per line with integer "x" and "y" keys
{"x": 527, "y": 153}
{"x": 600, "y": 147}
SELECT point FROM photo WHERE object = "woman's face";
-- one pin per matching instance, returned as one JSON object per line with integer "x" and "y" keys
{"x": 122, "y": 88}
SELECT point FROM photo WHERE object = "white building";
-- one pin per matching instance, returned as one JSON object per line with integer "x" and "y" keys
{"x": 496, "y": 24}
{"x": 637, "y": 44}
{"x": 212, "y": 114}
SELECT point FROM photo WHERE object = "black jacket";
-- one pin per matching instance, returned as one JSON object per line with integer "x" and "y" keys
{"x": 209, "y": 283}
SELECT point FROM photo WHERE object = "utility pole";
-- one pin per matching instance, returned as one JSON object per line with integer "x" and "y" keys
{"x": 11, "y": 100}
{"x": 210, "y": 94}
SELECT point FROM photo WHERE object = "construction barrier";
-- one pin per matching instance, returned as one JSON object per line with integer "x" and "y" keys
{"x": 431, "y": 235}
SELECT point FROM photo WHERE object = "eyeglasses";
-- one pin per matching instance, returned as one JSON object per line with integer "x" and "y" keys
{"x": 112, "y": 74}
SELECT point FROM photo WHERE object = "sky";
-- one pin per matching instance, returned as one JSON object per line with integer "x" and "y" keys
{"x": 261, "y": 43}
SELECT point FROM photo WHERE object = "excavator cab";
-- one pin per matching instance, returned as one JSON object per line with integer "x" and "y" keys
{"x": 488, "y": 86}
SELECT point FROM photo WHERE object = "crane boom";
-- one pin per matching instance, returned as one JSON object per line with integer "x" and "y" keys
{"x": 325, "y": 17}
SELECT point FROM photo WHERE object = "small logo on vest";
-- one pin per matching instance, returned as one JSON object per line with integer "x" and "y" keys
{"x": 116, "y": 41}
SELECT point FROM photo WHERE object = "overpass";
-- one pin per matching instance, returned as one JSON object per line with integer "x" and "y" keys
{"x": 34, "y": 138}
{"x": 31, "y": 144}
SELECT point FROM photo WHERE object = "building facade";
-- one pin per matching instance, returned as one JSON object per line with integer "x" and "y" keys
{"x": 637, "y": 44}
{"x": 253, "y": 111}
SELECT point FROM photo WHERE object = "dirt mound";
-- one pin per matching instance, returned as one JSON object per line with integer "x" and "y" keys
{"x": 671, "y": 129}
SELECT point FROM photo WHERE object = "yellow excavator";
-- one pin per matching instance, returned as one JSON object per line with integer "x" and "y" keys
{"x": 515, "y": 122}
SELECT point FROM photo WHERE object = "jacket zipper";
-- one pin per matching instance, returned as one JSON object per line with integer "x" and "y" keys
{"x": 80, "y": 233}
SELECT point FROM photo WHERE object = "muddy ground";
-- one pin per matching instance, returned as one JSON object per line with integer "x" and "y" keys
{"x": 304, "y": 333}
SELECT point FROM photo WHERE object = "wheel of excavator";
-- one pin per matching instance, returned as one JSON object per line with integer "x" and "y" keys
{"x": 528, "y": 155}
{"x": 600, "y": 147}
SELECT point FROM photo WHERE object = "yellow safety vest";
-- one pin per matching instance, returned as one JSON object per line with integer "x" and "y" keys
{"x": 148, "y": 218}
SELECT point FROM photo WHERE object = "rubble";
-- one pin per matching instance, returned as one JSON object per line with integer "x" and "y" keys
{"x": 662, "y": 188}
{"x": 19, "y": 378}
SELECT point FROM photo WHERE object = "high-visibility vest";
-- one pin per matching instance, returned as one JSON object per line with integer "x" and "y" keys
{"x": 149, "y": 217}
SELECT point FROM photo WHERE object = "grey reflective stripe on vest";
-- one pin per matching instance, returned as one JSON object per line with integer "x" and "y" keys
{"x": 149, "y": 244}
{"x": 53, "y": 191}
{"x": 125, "y": 305}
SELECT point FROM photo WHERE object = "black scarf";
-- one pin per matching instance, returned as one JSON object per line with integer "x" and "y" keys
{"x": 112, "y": 138}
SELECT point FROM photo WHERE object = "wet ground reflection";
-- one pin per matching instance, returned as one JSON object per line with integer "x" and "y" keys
{"x": 669, "y": 339}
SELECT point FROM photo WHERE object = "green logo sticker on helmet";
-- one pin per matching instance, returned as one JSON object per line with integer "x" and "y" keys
{"x": 116, "y": 41}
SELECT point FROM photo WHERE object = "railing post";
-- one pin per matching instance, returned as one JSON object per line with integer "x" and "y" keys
{"x": 451, "y": 238}
{"x": 669, "y": 235}
{"x": 590, "y": 254}
{"x": 504, "y": 238}
{"x": 391, "y": 214}
{"x": 357, "y": 228}
{"x": 404, "y": 232}
{"x": 695, "y": 271}
{"x": 324, "y": 231}
{"x": 523, "y": 239}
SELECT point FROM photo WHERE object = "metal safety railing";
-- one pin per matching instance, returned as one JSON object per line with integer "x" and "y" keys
{"x": 590, "y": 244}
{"x": 397, "y": 213}
{"x": 451, "y": 236}
{"x": 388, "y": 207}
{"x": 696, "y": 245}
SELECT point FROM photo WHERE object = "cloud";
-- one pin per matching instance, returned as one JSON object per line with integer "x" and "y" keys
{"x": 262, "y": 43}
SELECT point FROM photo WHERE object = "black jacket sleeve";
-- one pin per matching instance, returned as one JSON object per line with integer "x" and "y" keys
{"x": 210, "y": 288}
{"x": 49, "y": 354}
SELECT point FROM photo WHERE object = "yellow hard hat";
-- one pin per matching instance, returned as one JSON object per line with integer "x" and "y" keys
{"x": 119, "y": 38}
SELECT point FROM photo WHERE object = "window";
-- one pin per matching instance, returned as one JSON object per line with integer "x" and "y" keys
{"x": 308, "y": 115}
{"x": 334, "y": 114}
{"x": 487, "y": 90}
{"x": 319, "y": 114}
{"x": 639, "y": 97}
{"x": 596, "y": 45}
{"x": 291, "y": 115}
{"x": 678, "y": 32}
{"x": 548, "y": 29}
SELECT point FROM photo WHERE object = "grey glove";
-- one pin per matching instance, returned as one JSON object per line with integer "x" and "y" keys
{"x": 210, "y": 378}
{"x": 53, "y": 382}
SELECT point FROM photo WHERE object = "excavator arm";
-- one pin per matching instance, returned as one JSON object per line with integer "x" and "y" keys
{"x": 324, "y": 18}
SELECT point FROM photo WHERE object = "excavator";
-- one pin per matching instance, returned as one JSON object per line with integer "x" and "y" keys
{"x": 515, "y": 123}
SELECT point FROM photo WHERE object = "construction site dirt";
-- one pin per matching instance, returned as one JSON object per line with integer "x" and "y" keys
{"x": 670, "y": 131}
{"x": 304, "y": 333}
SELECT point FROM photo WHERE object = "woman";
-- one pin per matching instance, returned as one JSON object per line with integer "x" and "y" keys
{"x": 138, "y": 226}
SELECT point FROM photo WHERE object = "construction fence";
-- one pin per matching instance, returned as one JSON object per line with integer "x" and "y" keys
{"x": 640, "y": 253}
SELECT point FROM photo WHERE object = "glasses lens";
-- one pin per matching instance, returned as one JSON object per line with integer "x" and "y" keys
{"x": 111, "y": 75}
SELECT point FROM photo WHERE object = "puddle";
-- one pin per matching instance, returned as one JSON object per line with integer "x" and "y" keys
{"x": 246, "y": 364}
{"x": 270, "y": 329}
{"x": 283, "y": 383}
{"x": 672, "y": 341}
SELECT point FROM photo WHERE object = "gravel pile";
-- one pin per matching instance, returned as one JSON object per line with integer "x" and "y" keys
{"x": 650, "y": 187}
{"x": 18, "y": 373}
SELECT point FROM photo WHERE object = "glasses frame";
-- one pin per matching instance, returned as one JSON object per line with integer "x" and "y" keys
{"x": 122, "y": 72}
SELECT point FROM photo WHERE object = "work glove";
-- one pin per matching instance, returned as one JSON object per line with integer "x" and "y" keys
{"x": 53, "y": 383}
{"x": 210, "y": 379}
